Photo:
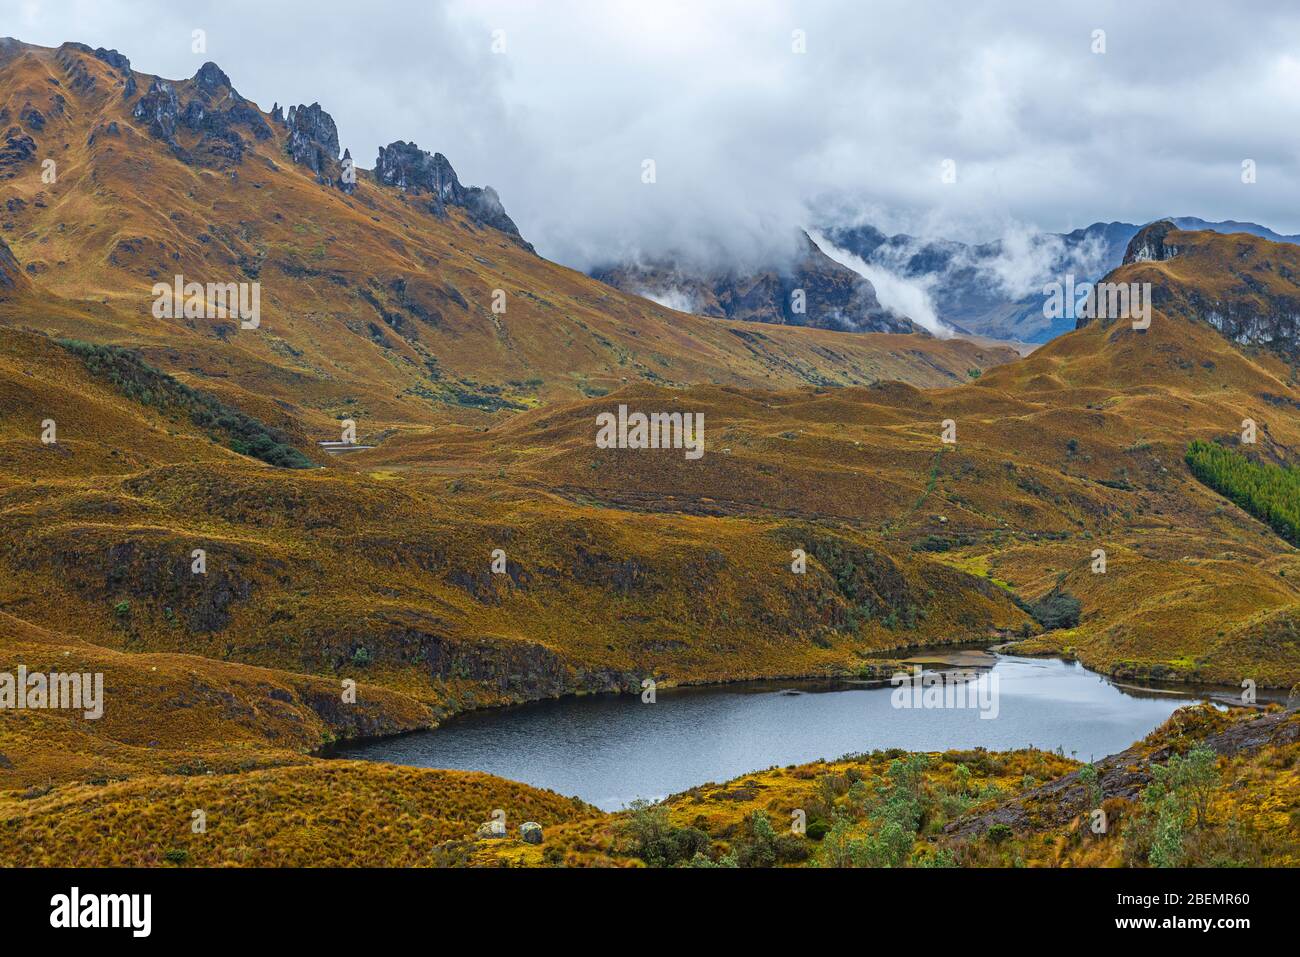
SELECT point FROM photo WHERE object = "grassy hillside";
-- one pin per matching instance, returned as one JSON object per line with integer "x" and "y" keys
{"x": 619, "y": 564}
{"x": 373, "y": 307}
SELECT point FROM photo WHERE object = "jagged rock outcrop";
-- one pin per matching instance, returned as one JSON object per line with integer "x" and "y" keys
{"x": 314, "y": 143}
{"x": 407, "y": 167}
{"x": 18, "y": 149}
{"x": 215, "y": 111}
{"x": 313, "y": 139}
{"x": 122, "y": 65}
{"x": 1149, "y": 244}
{"x": 160, "y": 108}
{"x": 81, "y": 79}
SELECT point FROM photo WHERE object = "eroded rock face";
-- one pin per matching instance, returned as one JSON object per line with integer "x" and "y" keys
{"x": 1149, "y": 244}
{"x": 314, "y": 143}
{"x": 407, "y": 167}
{"x": 18, "y": 149}
{"x": 161, "y": 109}
{"x": 216, "y": 111}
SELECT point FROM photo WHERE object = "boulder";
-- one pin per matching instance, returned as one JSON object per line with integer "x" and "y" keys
{"x": 490, "y": 830}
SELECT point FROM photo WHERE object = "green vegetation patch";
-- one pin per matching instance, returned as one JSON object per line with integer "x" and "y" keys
{"x": 137, "y": 380}
{"x": 1271, "y": 493}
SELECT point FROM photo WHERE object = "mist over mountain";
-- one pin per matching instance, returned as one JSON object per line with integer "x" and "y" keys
{"x": 995, "y": 288}
{"x": 944, "y": 286}
{"x": 559, "y": 106}
{"x": 305, "y": 442}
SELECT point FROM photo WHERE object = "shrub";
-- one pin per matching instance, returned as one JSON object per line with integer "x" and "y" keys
{"x": 653, "y": 838}
{"x": 130, "y": 375}
{"x": 1056, "y": 609}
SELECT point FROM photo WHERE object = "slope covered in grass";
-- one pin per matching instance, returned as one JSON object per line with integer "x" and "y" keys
{"x": 138, "y": 380}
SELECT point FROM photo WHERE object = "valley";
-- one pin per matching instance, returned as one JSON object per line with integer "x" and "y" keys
{"x": 856, "y": 495}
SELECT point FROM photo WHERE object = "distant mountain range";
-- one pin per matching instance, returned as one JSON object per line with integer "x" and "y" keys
{"x": 991, "y": 289}
{"x": 814, "y": 290}
{"x": 974, "y": 289}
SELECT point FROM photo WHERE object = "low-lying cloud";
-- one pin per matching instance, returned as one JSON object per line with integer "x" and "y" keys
{"x": 908, "y": 296}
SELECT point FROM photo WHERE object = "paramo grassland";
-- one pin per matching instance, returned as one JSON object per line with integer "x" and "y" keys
{"x": 375, "y": 567}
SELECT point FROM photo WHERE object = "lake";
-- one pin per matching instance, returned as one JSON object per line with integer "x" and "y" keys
{"x": 611, "y": 749}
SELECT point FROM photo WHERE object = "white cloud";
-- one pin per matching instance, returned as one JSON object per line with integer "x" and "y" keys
{"x": 910, "y": 297}
{"x": 744, "y": 131}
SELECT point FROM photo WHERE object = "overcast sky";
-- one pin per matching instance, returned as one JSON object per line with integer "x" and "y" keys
{"x": 745, "y": 132}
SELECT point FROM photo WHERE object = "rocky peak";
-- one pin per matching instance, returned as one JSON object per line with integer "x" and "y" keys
{"x": 314, "y": 143}
{"x": 215, "y": 111}
{"x": 114, "y": 59}
{"x": 277, "y": 114}
{"x": 407, "y": 167}
{"x": 1149, "y": 244}
{"x": 80, "y": 77}
{"x": 210, "y": 79}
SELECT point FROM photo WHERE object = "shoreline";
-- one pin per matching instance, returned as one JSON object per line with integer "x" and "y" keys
{"x": 933, "y": 657}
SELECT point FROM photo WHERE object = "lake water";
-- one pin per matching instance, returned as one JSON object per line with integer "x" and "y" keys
{"x": 611, "y": 749}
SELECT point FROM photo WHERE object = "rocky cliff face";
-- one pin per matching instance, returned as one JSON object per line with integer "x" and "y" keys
{"x": 215, "y": 111}
{"x": 407, "y": 167}
{"x": 1150, "y": 244}
{"x": 314, "y": 143}
{"x": 814, "y": 290}
{"x": 1246, "y": 287}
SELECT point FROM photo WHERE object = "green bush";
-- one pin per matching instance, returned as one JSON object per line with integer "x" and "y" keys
{"x": 1056, "y": 609}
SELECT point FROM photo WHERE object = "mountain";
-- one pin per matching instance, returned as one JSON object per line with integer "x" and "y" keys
{"x": 389, "y": 296}
{"x": 1245, "y": 287}
{"x": 481, "y": 546}
{"x": 813, "y": 290}
{"x": 994, "y": 289}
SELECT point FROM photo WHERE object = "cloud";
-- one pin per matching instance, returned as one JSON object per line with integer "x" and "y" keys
{"x": 910, "y": 297}
{"x": 745, "y": 132}
{"x": 671, "y": 298}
